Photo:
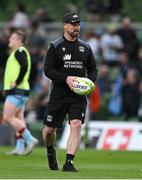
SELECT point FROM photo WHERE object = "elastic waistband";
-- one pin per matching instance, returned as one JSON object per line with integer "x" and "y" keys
{"x": 22, "y": 92}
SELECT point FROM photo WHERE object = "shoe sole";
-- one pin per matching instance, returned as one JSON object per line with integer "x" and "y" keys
{"x": 14, "y": 153}
{"x": 70, "y": 170}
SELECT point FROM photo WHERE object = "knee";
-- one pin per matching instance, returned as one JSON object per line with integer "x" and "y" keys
{"x": 76, "y": 125}
{"x": 48, "y": 130}
{"x": 6, "y": 118}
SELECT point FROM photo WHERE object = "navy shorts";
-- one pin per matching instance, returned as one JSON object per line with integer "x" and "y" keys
{"x": 56, "y": 112}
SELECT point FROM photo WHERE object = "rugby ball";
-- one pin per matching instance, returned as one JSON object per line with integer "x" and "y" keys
{"x": 83, "y": 86}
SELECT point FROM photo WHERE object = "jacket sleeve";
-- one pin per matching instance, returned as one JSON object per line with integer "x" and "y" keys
{"x": 50, "y": 66}
{"x": 91, "y": 67}
{"x": 23, "y": 62}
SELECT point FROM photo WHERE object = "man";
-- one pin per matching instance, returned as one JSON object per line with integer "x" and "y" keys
{"x": 66, "y": 58}
{"x": 16, "y": 86}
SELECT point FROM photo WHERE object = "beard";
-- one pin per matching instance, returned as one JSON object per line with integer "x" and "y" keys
{"x": 74, "y": 34}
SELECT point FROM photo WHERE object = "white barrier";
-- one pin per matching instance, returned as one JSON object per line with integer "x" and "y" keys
{"x": 103, "y": 135}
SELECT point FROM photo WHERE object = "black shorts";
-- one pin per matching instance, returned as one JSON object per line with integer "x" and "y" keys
{"x": 56, "y": 112}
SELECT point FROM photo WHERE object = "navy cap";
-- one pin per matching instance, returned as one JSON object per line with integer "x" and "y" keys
{"x": 71, "y": 18}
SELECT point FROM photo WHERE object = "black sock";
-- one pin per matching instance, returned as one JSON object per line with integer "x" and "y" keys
{"x": 50, "y": 150}
{"x": 69, "y": 157}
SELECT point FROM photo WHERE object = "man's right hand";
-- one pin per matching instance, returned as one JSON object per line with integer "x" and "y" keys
{"x": 70, "y": 81}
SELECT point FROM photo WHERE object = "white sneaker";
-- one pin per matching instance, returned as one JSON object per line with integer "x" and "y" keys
{"x": 15, "y": 152}
{"x": 31, "y": 146}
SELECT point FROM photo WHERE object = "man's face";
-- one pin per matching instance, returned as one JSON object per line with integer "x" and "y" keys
{"x": 72, "y": 29}
{"x": 14, "y": 41}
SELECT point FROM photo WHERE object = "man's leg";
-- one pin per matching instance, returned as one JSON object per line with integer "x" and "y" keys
{"x": 49, "y": 137}
{"x": 20, "y": 143}
{"x": 10, "y": 111}
{"x": 72, "y": 145}
{"x": 19, "y": 146}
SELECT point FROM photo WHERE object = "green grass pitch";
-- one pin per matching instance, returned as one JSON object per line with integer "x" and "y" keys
{"x": 91, "y": 164}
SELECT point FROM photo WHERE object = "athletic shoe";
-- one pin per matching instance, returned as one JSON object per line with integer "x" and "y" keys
{"x": 69, "y": 167}
{"x": 31, "y": 146}
{"x": 52, "y": 161}
{"x": 15, "y": 152}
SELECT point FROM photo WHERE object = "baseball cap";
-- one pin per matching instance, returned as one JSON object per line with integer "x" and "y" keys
{"x": 71, "y": 18}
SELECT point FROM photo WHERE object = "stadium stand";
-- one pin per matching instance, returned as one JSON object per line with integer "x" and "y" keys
{"x": 51, "y": 30}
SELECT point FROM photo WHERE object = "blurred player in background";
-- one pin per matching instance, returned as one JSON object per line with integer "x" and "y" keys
{"x": 17, "y": 88}
{"x": 66, "y": 58}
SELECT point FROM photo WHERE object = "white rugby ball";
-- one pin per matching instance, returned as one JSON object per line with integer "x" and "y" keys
{"x": 83, "y": 86}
